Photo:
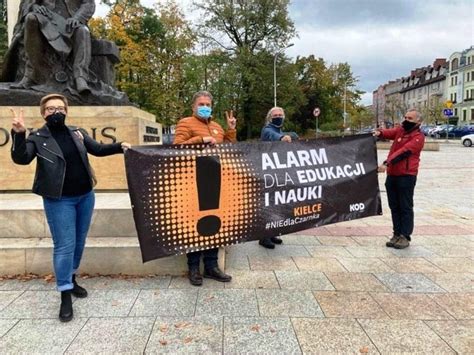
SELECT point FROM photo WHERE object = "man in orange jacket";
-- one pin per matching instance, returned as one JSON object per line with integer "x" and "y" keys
{"x": 402, "y": 168}
{"x": 197, "y": 129}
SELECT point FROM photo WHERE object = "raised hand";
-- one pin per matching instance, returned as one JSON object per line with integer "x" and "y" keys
{"x": 231, "y": 120}
{"x": 18, "y": 122}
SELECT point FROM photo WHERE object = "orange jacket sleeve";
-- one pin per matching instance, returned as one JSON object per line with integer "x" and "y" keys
{"x": 230, "y": 136}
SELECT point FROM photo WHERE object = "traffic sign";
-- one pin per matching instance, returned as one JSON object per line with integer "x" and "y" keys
{"x": 447, "y": 112}
{"x": 316, "y": 112}
{"x": 448, "y": 104}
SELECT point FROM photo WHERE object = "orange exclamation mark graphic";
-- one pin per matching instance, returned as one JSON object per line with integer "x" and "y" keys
{"x": 208, "y": 179}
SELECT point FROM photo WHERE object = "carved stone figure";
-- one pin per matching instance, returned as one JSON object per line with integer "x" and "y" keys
{"x": 52, "y": 51}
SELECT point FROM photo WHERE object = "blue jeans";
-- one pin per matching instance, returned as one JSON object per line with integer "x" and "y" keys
{"x": 69, "y": 219}
{"x": 400, "y": 190}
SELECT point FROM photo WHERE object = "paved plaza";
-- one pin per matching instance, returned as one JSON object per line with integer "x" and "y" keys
{"x": 334, "y": 289}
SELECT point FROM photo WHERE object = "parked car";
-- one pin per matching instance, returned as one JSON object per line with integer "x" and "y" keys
{"x": 426, "y": 128}
{"x": 463, "y": 130}
{"x": 435, "y": 132}
{"x": 467, "y": 140}
{"x": 441, "y": 133}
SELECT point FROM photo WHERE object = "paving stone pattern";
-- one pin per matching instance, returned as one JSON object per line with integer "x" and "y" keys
{"x": 333, "y": 289}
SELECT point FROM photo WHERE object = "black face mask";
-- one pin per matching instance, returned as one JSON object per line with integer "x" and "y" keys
{"x": 277, "y": 121}
{"x": 56, "y": 119}
{"x": 408, "y": 126}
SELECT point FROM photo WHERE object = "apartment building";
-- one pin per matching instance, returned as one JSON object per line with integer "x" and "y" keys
{"x": 460, "y": 85}
{"x": 425, "y": 87}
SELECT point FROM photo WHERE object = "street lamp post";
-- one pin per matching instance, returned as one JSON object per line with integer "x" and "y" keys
{"x": 345, "y": 113}
{"x": 274, "y": 72}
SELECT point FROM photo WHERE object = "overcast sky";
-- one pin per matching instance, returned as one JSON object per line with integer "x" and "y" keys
{"x": 381, "y": 39}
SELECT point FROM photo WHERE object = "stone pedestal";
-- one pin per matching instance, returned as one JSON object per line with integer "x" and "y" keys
{"x": 104, "y": 123}
{"x": 111, "y": 248}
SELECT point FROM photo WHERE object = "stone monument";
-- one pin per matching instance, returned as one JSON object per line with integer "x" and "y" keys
{"x": 51, "y": 50}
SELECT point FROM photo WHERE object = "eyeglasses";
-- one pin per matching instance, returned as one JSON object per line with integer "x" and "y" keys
{"x": 52, "y": 109}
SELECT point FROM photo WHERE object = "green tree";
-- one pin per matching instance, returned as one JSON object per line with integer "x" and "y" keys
{"x": 361, "y": 117}
{"x": 246, "y": 29}
{"x": 325, "y": 87}
{"x": 394, "y": 108}
{"x": 153, "y": 46}
{"x": 433, "y": 113}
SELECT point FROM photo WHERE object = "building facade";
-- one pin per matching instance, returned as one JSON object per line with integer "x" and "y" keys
{"x": 394, "y": 107}
{"x": 460, "y": 85}
{"x": 425, "y": 91}
{"x": 378, "y": 106}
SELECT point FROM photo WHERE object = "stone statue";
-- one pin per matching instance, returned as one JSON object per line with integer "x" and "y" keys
{"x": 52, "y": 51}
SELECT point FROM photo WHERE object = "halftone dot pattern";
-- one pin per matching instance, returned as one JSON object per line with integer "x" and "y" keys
{"x": 172, "y": 205}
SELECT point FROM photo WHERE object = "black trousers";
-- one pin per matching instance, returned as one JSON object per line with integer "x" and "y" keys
{"x": 210, "y": 259}
{"x": 400, "y": 190}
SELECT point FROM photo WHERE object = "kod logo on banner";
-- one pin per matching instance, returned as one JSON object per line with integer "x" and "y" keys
{"x": 356, "y": 207}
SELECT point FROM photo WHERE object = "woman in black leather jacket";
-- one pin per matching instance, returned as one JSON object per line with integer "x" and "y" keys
{"x": 65, "y": 180}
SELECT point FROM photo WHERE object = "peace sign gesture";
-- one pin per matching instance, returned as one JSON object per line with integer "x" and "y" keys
{"x": 231, "y": 120}
{"x": 18, "y": 123}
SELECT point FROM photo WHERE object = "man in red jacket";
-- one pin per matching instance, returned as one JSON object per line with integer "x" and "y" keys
{"x": 402, "y": 168}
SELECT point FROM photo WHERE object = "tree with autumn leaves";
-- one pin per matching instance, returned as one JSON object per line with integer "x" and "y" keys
{"x": 164, "y": 60}
{"x": 153, "y": 47}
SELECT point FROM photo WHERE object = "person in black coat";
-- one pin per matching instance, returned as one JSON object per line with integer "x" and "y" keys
{"x": 65, "y": 180}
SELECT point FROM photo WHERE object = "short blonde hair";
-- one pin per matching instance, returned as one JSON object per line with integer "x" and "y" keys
{"x": 46, "y": 98}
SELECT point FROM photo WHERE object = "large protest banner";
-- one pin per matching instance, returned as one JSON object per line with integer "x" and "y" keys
{"x": 194, "y": 197}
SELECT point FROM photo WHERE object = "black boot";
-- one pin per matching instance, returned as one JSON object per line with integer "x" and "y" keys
{"x": 266, "y": 243}
{"x": 78, "y": 291}
{"x": 65, "y": 312}
{"x": 216, "y": 274}
{"x": 276, "y": 240}
{"x": 195, "y": 277}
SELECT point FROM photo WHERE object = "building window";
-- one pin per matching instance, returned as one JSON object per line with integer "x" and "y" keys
{"x": 454, "y": 64}
{"x": 456, "y": 112}
{"x": 467, "y": 95}
{"x": 468, "y": 60}
{"x": 468, "y": 76}
{"x": 464, "y": 115}
{"x": 472, "y": 114}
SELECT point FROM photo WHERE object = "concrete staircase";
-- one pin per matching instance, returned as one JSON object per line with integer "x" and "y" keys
{"x": 112, "y": 245}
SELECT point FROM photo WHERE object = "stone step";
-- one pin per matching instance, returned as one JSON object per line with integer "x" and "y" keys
{"x": 112, "y": 245}
{"x": 103, "y": 256}
{"x": 22, "y": 216}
